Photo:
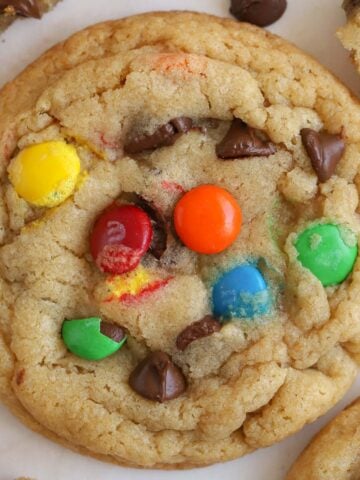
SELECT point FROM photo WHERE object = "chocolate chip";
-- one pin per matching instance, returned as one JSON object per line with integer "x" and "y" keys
{"x": 243, "y": 141}
{"x": 202, "y": 328}
{"x": 160, "y": 227}
{"x": 140, "y": 143}
{"x": 26, "y": 8}
{"x": 158, "y": 378}
{"x": 325, "y": 151}
{"x": 182, "y": 124}
{"x": 165, "y": 135}
{"x": 112, "y": 331}
{"x": 258, "y": 12}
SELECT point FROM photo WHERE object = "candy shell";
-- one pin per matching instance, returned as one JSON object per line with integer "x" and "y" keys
{"x": 84, "y": 338}
{"x": 45, "y": 174}
{"x": 208, "y": 219}
{"x": 328, "y": 251}
{"x": 241, "y": 293}
{"x": 120, "y": 238}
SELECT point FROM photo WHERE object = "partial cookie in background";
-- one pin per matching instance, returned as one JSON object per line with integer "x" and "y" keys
{"x": 350, "y": 6}
{"x": 349, "y": 34}
{"x": 10, "y": 10}
{"x": 334, "y": 453}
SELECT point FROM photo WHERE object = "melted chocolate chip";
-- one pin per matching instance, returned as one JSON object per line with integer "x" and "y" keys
{"x": 325, "y": 151}
{"x": 112, "y": 331}
{"x": 165, "y": 135}
{"x": 182, "y": 124}
{"x": 160, "y": 227}
{"x": 26, "y": 8}
{"x": 258, "y": 12}
{"x": 140, "y": 143}
{"x": 158, "y": 378}
{"x": 243, "y": 141}
{"x": 202, "y": 328}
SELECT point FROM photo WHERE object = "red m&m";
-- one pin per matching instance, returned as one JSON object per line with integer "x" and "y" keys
{"x": 120, "y": 238}
{"x": 208, "y": 219}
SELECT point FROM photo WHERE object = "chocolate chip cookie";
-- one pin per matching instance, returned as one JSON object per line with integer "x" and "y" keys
{"x": 12, "y": 9}
{"x": 334, "y": 452}
{"x": 179, "y": 226}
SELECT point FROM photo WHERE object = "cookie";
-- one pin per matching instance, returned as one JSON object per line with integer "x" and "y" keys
{"x": 179, "y": 266}
{"x": 12, "y": 9}
{"x": 334, "y": 452}
{"x": 349, "y": 33}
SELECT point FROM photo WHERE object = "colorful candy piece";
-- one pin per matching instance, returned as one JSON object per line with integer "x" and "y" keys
{"x": 120, "y": 238}
{"x": 241, "y": 293}
{"x": 92, "y": 339}
{"x": 184, "y": 64}
{"x": 134, "y": 285}
{"x": 208, "y": 219}
{"x": 45, "y": 174}
{"x": 172, "y": 187}
{"x": 328, "y": 251}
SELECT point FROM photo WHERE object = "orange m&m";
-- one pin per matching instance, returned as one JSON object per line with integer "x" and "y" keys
{"x": 208, "y": 219}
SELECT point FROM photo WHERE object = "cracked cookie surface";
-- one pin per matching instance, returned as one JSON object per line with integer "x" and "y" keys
{"x": 249, "y": 384}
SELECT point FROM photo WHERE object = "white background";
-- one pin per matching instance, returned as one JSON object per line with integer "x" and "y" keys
{"x": 311, "y": 24}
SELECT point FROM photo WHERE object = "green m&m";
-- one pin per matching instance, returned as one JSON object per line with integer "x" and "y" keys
{"x": 328, "y": 251}
{"x": 91, "y": 338}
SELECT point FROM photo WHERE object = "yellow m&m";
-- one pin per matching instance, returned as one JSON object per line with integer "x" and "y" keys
{"x": 45, "y": 174}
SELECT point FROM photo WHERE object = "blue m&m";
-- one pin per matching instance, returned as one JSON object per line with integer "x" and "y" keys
{"x": 241, "y": 293}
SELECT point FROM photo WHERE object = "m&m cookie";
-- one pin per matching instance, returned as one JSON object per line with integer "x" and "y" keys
{"x": 179, "y": 228}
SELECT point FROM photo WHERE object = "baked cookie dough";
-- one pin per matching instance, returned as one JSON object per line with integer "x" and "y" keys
{"x": 349, "y": 34}
{"x": 10, "y": 10}
{"x": 179, "y": 207}
{"x": 334, "y": 452}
